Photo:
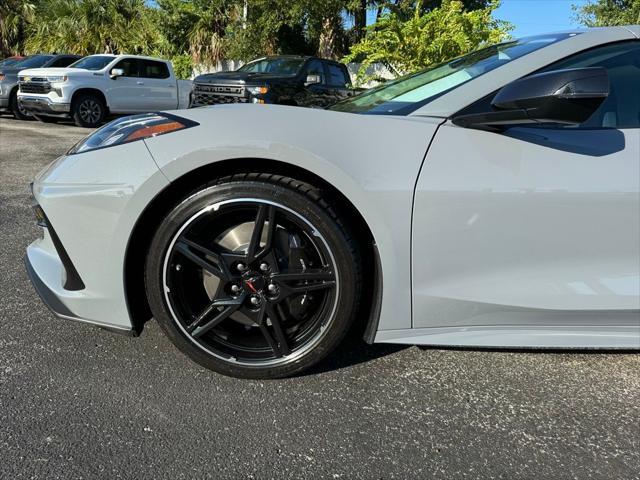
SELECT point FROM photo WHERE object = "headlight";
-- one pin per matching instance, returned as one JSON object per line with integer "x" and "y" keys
{"x": 56, "y": 78}
{"x": 130, "y": 129}
{"x": 258, "y": 90}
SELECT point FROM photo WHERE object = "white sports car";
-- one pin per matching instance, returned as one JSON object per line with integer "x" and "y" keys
{"x": 490, "y": 201}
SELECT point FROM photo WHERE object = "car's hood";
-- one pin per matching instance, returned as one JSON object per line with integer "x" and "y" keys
{"x": 9, "y": 70}
{"x": 43, "y": 72}
{"x": 240, "y": 77}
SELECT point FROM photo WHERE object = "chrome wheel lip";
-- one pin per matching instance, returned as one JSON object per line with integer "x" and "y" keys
{"x": 285, "y": 359}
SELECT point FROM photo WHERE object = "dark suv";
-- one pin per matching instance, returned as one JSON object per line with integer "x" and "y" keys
{"x": 286, "y": 80}
{"x": 9, "y": 79}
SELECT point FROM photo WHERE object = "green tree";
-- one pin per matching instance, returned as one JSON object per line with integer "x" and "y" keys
{"x": 427, "y": 38}
{"x": 289, "y": 26}
{"x": 270, "y": 27}
{"x": 14, "y": 18}
{"x": 603, "y": 13}
{"x": 86, "y": 27}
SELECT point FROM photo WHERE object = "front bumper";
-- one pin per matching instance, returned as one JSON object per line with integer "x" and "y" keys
{"x": 90, "y": 204}
{"x": 43, "y": 105}
{"x": 53, "y": 300}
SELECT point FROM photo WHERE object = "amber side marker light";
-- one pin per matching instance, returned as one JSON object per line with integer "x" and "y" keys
{"x": 153, "y": 130}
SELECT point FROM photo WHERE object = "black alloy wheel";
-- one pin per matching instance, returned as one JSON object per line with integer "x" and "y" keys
{"x": 254, "y": 279}
{"x": 88, "y": 110}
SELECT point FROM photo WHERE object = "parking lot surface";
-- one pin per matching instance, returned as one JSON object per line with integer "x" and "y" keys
{"x": 78, "y": 402}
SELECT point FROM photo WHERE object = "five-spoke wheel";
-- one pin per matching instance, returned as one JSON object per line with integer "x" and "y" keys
{"x": 255, "y": 278}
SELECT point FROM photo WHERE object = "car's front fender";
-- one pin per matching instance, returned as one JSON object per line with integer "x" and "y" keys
{"x": 372, "y": 160}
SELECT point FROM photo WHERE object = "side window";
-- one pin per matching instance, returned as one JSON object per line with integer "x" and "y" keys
{"x": 336, "y": 76}
{"x": 153, "y": 69}
{"x": 316, "y": 68}
{"x": 621, "y": 109}
{"x": 130, "y": 67}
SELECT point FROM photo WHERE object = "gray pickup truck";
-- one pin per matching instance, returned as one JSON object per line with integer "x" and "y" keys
{"x": 9, "y": 79}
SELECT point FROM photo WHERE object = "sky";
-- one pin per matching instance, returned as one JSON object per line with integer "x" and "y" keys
{"x": 531, "y": 17}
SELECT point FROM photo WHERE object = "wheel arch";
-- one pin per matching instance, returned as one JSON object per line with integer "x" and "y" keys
{"x": 93, "y": 91}
{"x": 144, "y": 228}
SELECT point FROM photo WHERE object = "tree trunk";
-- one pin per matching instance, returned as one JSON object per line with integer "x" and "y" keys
{"x": 360, "y": 20}
{"x": 328, "y": 42}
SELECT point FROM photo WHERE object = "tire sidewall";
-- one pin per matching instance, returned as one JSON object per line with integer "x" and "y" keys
{"x": 75, "y": 110}
{"x": 345, "y": 265}
{"x": 15, "y": 109}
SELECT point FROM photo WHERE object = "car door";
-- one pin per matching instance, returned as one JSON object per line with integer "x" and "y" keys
{"x": 535, "y": 225}
{"x": 161, "y": 92}
{"x": 126, "y": 93}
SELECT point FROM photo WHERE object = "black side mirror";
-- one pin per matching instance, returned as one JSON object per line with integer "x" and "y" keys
{"x": 561, "y": 96}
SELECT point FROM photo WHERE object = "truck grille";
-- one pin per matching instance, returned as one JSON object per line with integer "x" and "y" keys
{"x": 34, "y": 86}
{"x": 204, "y": 94}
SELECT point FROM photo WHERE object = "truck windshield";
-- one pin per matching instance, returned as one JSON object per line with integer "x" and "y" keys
{"x": 402, "y": 96}
{"x": 32, "y": 61}
{"x": 94, "y": 62}
{"x": 280, "y": 66}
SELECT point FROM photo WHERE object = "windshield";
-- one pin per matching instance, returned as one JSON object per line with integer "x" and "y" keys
{"x": 281, "y": 66}
{"x": 34, "y": 61}
{"x": 94, "y": 62}
{"x": 9, "y": 61}
{"x": 405, "y": 94}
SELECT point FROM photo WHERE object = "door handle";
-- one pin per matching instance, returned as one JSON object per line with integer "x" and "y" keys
{"x": 139, "y": 83}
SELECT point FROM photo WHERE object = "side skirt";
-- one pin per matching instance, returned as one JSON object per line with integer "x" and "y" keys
{"x": 518, "y": 336}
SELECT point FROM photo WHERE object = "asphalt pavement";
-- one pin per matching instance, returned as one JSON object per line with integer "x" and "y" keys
{"x": 79, "y": 402}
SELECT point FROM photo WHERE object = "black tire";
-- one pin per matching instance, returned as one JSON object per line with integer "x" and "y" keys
{"x": 46, "y": 119}
{"x": 88, "y": 110}
{"x": 18, "y": 112}
{"x": 332, "y": 305}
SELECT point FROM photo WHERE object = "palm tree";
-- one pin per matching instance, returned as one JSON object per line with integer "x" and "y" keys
{"x": 85, "y": 27}
{"x": 14, "y": 15}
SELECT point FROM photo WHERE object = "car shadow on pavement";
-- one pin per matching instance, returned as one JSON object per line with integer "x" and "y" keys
{"x": 353, "y": 351}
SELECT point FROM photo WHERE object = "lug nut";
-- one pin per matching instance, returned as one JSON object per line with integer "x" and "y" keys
{"x": 178, "y": 267}
{"x": 241, "y": 267}
{"x": 235, "y": 288}
{"x": 272, "y": 288}
{"x": 264, "y": 266}
{"x": 255, "y": 300}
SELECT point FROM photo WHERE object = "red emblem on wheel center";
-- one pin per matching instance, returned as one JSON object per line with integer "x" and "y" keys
{"x": 249, "y": 284}
{"x": 254, "y": 283}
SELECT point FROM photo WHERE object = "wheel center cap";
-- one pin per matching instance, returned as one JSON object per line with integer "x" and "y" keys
{"x": 253, "y": 282}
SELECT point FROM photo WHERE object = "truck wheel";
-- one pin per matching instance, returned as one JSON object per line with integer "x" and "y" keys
{"x": 88, "y": 110}
{"x": 46, "y": 119}
{"x": 17, "y": 110}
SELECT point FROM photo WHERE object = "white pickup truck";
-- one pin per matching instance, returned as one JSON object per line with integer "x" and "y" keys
{"x": 99, "y": 85}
